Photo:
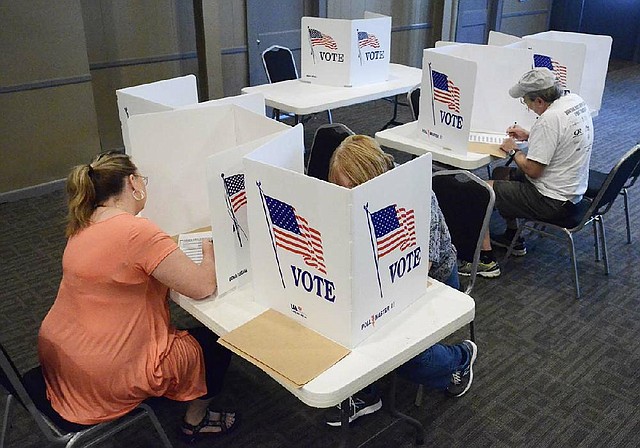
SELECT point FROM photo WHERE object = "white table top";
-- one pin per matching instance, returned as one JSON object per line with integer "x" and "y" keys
{"x": 405, "y": 138}
{"x": 303, "y": 98}
{"x": 440, "y": 312}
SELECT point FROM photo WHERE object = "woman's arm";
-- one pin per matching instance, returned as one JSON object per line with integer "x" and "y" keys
{"x": 179, "y": 273}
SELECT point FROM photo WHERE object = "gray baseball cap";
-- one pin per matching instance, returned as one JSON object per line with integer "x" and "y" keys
{"x": 539, "y": 78}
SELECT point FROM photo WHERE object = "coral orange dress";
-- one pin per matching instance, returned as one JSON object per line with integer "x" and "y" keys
{"x": 107, "y": 342}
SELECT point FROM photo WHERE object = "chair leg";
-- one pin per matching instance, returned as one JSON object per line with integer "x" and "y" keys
{"x": 152, "y": 416}
{"x": 513, "y": 242}
{"x": 5, "y": 419}
{"x": 603, "y": 242}
{"x": 419, "y": 395}
{"x": 329, "y": 116}
{"x": 472, "y": 331}
{"x": 572, "y": 253}
{"x": 596, "y": 239}
{"x": 625, "y": 196}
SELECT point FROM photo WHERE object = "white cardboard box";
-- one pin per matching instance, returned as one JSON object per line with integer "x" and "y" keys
{"x": 342, "y": 52}
{"x": 318, "y": 250}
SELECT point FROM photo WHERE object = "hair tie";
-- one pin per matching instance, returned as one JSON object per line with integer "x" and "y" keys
{"x": 90, "y": 169}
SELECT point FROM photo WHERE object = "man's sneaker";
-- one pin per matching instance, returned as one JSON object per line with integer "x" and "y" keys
{"x": 490, "y": 269}
{"x": 360, "y": 404}
{"x": 504, "y": 240}
{"x": 461, "y": 380}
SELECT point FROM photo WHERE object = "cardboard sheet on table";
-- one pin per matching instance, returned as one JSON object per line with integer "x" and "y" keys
{"x": 276, "y": 343}
{"x": 486, "y": 148}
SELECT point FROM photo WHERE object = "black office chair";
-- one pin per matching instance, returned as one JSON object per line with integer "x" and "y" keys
{"x": 30, "y": 391}
{"x": 587, "y": 212}
{"x": 596, "y": 181}
{"x": 279, "y": 65}
{"x": 325, "y": 141}
{"x": 413, "y": 97}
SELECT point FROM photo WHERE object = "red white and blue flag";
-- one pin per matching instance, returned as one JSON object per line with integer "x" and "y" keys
{"x": 236, "y": 191}
{"x": 367, "y": 40}
{"x": 394, "y": 228}
{"x": 540, "y": 60}
{"x": 318, "y": 38}
{"x": 293, "y": 233}
{"x": 445, "y": 91}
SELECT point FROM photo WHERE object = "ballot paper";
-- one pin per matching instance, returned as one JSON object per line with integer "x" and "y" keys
{"x": 483, "y": 137}
{"x": 191, "y": 244}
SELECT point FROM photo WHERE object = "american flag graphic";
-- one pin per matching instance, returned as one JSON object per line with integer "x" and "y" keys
{"x": 540, "y": 60}
{"x": 445, "y": 91}
{"x": 236, "y": 191}
{"x": 317, "y": 38}
{"x": 394, "y": 228}
{"x": 366, "y": 39}
{"x": 293, "y": 233}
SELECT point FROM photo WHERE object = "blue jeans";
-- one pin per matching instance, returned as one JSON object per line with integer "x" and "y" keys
{"x": 453, "y": 280}
{"x": 434, "y": 366}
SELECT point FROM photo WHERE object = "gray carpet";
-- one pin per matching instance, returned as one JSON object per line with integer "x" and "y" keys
{"x": 552, "y": 371}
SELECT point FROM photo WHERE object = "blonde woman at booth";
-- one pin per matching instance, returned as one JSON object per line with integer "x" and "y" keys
{"x": 444, "y": 367}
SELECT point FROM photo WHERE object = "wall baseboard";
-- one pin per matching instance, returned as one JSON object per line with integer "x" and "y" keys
{"x": 33, "y": 191}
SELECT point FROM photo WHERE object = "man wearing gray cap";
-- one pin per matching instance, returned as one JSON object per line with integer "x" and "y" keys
{"x": 553, "y": 175}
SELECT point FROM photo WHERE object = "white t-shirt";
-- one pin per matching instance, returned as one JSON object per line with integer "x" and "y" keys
{"x": 561, "y": 139}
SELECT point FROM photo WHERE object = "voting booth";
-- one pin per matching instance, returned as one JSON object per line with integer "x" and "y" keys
{"x": 580, "y": 61}
{"x": 172, "y": 147}
{"x": 342, "y": 52}
{"x": 226, "y": 184}
{"x": 340, "y": 261}
{"x": 171, "y": 94}
{"x": 465, "y": 96}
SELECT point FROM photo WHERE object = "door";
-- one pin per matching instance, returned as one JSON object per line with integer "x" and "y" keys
{"x": 475, "y": 19}
{"x": 274, "y": 22}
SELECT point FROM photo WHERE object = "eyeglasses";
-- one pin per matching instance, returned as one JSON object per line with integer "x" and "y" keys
{"x": 524, "y": 103}
{"x": 145, "y": 179}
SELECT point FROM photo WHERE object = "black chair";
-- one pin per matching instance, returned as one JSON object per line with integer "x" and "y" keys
{"x": 587, "y": 212}
{"x": 280, "y": 65}
{"x": 30, "y": 391}
{"x": 466, "y": 202}
{"x": 596, "y": 181}
{"x": 325, "y": 141}
{"x": 413, "y": 97}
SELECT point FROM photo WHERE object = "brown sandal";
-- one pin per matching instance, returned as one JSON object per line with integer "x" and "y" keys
{"x": 191, "y": 433}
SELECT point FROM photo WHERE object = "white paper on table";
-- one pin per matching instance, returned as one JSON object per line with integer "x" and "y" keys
{"x": 484, "y": 137}
{"x": 191, "y": 244}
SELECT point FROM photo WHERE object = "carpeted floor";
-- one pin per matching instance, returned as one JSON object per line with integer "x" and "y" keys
{"x": 552, "y": 371}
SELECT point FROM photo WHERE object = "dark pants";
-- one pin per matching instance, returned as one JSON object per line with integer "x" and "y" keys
{"x": 517, "y": 197}
{"x": 216, "y": 359}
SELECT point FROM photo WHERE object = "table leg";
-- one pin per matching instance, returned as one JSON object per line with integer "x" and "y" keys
{"x": 345, "y": 409}
{"x": 394, "y": 119}
{"x": 391, "y": 406}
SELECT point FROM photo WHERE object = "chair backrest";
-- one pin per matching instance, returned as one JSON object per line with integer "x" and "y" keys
{"x": 279, "y": 64}
{"x": 325, "y": 141}
{"x": 616, "y": 179}
{"x": 633, "y": 177}
{"x": 413, "y": 97}
{"x": 466, "y": 202}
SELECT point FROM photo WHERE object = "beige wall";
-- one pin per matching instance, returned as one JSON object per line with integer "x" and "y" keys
{"x": 63, "y": 60}
{"x": 48, "y": 114}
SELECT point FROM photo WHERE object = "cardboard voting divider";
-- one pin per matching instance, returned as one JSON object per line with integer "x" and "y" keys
{"x": 228, "y": 207}
{"x": 465, "y": 89}
{"x": 579, "y": 60}
{"x": 172, "y": 147}
{"x": 340, "y": 261}
{"x": 341, "y": 52}
{"x": 154, "y": 97}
